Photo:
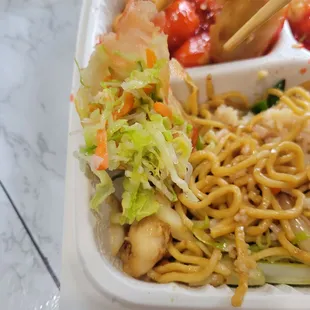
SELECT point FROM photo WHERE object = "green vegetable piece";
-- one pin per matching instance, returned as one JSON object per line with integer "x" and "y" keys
{"x": 286, "y": 273}
{"x": 272, "y": 99}
{"x": 199, "y": 144}
{"x": 256, "y": 276}
{"x": 88, "y": 150}
{"x": 260, "y": 107}
{"x": 168, "y": 136}
{"x": 301, "y": 236}
{"x": 178, "y": 120}
{"x": 205, "y": 224}
{"x": 189, "y": 129}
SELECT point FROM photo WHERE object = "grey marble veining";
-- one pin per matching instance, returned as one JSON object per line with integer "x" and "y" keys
{"x": 37, "y": 44}
{"x": 24, "y": 282}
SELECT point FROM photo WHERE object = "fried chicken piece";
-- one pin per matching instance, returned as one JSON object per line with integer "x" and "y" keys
{"x": 146, "y": 244}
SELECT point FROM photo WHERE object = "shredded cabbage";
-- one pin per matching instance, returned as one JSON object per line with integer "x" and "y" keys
{"x": 137, "y": 202}
{"x": 152, "y": 150}
{"x": 103, "y": 190}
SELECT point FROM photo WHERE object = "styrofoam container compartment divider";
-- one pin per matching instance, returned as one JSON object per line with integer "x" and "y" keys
{"x": 283, "y": 62}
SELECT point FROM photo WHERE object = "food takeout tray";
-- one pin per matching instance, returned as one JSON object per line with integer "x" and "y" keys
{"x": 284, "y": 61}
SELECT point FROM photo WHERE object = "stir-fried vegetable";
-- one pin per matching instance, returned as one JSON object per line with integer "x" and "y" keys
{"x": 256, "y": 276}
{"x": 286, "y": 273}
{"x": 223, "y": 245}
{"x": 200, "y": 143}
{"x": 271, "y": 100}
{"x": 260, "y": 107}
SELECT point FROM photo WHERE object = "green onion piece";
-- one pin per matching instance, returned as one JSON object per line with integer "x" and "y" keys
{"x": 254, "y": 248}
{"x": 140, "y": 65}
{"x": 168, "y": 136}
{"x": 88, "y": 150}
{"x": 199, "y": 144}
{"x": 263, "y": 242}
{"x": 202, "y": 224}
{"x": 207, "y": 240}
{"x": 272, "y": 99}
{"x": 177, "y": 120}
{"x": 189, "y": 129}
{"x": 301, "y": 236}
{"x": 260, "y": 107}
{"x": 167, "y": 123}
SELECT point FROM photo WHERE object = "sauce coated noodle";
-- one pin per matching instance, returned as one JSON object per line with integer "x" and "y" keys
{"x": 237, "y": 177}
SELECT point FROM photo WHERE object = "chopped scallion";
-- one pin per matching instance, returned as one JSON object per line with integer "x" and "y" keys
{"x": 260, "y": 107}
{"x": 272, "y": 99}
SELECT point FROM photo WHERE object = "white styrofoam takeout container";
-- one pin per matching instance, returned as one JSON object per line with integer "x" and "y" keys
{"x": 283, "y": 62}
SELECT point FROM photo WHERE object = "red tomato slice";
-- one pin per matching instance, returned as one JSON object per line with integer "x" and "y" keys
{"x": 195, "y": 51}
{"x": 181, "y": 22}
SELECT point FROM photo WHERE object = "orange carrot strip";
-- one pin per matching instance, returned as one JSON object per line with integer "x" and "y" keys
{"x": 149, "y": 88}
{"x": 162, "y": 109}
{"x": 101, "y": 137}
{"x": 150, "y": 58}
{"x": 104, "y": 165}
{"x": 107, "y": 78}
{"x": 101, "y": 149}
{"x": 127, "y": 107}
{"x": 195, "y": 136}
{"x": 94, "y": 106}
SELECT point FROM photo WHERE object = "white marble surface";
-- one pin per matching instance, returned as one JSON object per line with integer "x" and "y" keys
{"x": 37, "y": 44}
{"x": 24, "y": 280}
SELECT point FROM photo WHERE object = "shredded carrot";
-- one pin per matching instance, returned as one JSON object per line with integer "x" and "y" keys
{"x": 107, "y": 78}
{"x": 71, "y": 97}
{"x": 162, "y": 109}
{"x": 275, "y": 191}
{"x": 104, "y": 164}
{"x": 94, "y": 106}
{"x": 149, "y": 88}
{"x": 101, "y": 149}
{"x": 127, "y": 107}
{"x": 303, "y": 70}
{"x": 150, "y": 58}
{"x": 195, "y": 136}
{"x": 101, "y": 136}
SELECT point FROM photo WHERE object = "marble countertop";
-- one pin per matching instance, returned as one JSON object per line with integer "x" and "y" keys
{"x": 37, "y": 44}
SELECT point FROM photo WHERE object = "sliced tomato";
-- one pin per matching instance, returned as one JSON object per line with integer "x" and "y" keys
{"x": 195, "y": 51}
{"x": 181, "y": 22}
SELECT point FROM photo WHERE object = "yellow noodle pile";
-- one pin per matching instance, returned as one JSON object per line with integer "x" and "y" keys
{"x": 237, "y": 176}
